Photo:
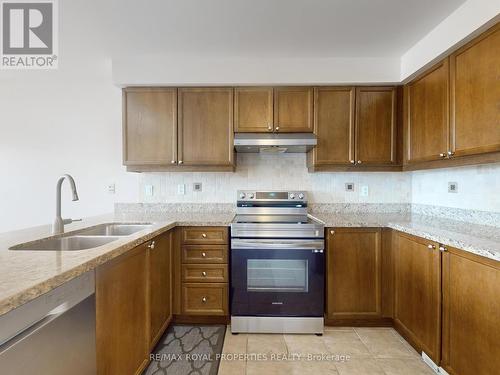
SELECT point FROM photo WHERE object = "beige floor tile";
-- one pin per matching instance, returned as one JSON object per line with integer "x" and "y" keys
{"x": 227, "y": 367}
{"x": 268, "y": 368}
{"x": 234, "y": 343}
{"x": 304, "y": 367}
{"x": 360, "y": 366}
{"x": 305, "y": 345}
{"x": 266, "y": 344}
{"x": 341, "y": 335}
{"x": 330, "y": 328}
{"x": 345, "y": 343}
{"x": 407, "y": 366}
{"x": 382, "y": 343}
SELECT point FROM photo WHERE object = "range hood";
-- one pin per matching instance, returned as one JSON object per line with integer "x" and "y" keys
{"x": 273, "y": 143}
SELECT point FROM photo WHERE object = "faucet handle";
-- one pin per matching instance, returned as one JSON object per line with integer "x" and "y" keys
{"x": 69, "y": 221}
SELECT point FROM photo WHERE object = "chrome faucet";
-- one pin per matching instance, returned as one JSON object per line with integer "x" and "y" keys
{"x": 59, "y": 222}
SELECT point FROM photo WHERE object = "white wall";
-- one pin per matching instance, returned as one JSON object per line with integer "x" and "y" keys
{"x": 62, "y": 121}
{"x": 471, "y": 18}
{"x": 478, "y": 187}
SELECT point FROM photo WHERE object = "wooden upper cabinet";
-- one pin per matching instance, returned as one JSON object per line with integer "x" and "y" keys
{"x": 293, "y": 109}
{"x": 475, "y": 95}
{"x": 375, "y": 125}
{"x": 206, "y": 126}
{"x": 149, "y": 126}
{"x": 333, "y": 126}
{"x": 417, "y": 285}
{"x": 160, "y": 265}
{"x": 471, "y": 318}
{"x": 426, "y": 107}
{"x": 253, "y": 109}
{"x": 354, "y": 273}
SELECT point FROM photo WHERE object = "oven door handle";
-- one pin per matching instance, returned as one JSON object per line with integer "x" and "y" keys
{"x": 237, "y": 244}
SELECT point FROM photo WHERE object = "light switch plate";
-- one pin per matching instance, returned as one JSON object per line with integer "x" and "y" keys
{"x": 181, "y": 189}
{"x": 112, "y": 188}
{"x": 349, "y": 186}
{"x": 148, "y": 190}
{"x": 197, "y": 186}
{"x": 364, "y": 191}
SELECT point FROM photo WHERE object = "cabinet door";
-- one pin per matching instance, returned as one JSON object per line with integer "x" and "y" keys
{"x": 471, "y": 314}
{"x": 206, "y": 126}
{"x": 333, "y": 126}
{"x": 375, "y": 125}
{"x": 417, "y": 310}
{"x": 293, "y": 109}
{"x": 160, "y": 285}
{"x": 354, "y": 273}
{"x": 253, "y": 109}
{"x": 475, "y": 95}
{"x": 122, "y": 314}
{"x": 149, "y": 126}
{"x": 427, "y": 103}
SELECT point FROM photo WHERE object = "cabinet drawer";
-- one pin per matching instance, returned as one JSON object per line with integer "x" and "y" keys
{"x": 204, "y": 273}
{"x": 204, "y": 299}
{"x": 204, "y": 235}
{"x": 204, "y": 254}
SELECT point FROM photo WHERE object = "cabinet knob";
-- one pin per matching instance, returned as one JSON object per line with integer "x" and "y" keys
{"x": 204, "y": 273}
{"x": 359, "y": 161}
{"x": 204, "y": 235}
{"x": 353, "y": 161}
{"x": 203, "y": 255}
{"x": 204, "y": 299}
{"x": 451, "y": 153}
{"x": 269, "y": 127}
{"x": 442, "y": 248}
{"x": 430, "y": 246}
{"x": 173, "y": 162}
{"x": 180, "y": 162}
{"x": 442, "y": 154}
{"x": 277, "y": 128}
{"x": 332, "y": 232}
{"x": 152, "y": 245}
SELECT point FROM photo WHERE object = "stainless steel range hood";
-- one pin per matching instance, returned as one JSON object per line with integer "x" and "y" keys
{"x": 274, "y": 143}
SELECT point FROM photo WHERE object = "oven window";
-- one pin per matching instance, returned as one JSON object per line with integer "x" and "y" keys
{"x": 277, "y": 275}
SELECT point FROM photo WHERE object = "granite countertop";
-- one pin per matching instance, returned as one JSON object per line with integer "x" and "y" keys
{"x": 482, "y": 240}
{"x": 25, "y": 275}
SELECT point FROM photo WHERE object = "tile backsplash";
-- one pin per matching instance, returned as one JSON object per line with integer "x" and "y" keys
{"x": 276, "y": 172}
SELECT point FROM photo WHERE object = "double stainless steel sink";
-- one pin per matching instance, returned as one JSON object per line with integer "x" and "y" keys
{"x": 84, "y": 239}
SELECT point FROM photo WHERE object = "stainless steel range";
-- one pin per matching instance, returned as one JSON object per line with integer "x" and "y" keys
{"x": 277, "y": 264}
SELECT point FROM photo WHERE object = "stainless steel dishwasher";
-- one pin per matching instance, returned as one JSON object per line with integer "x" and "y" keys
{"x": 53, "y": 334}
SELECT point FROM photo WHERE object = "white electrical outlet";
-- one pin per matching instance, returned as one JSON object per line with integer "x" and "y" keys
{"x": 148, "y": 190}
{"x": 112, "y": 188}
{"x": 181, "y": 189}
{"x": 364, "y": 191}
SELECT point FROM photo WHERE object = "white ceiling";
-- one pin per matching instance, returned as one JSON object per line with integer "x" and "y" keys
{"x": 274, "y": 28}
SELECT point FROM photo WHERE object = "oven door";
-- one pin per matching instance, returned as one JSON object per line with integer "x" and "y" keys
{"x": 277, "y": 277}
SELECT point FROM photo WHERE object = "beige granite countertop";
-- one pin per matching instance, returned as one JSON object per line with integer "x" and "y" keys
{"x": 25, "y": 275}
{"x": 482, "y": 240}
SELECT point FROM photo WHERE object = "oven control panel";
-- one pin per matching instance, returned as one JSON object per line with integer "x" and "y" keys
{"x": 271, "y": 195}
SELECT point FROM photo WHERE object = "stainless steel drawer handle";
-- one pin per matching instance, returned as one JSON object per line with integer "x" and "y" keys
{"x": 204, "y": 235}
{"x": 204, "y": 274}
{"x": 204, "y": 299}
{"x": 203, "y": 255}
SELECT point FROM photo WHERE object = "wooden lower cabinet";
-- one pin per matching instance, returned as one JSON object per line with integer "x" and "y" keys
{"x": 160, "y": 291}
{"x": 354, "y": 273}
{"x": 133, "y": 306}
{"x": 471, "y": 314}
{"x": 122, "y": 314}
{"x": 417, "y": 297}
